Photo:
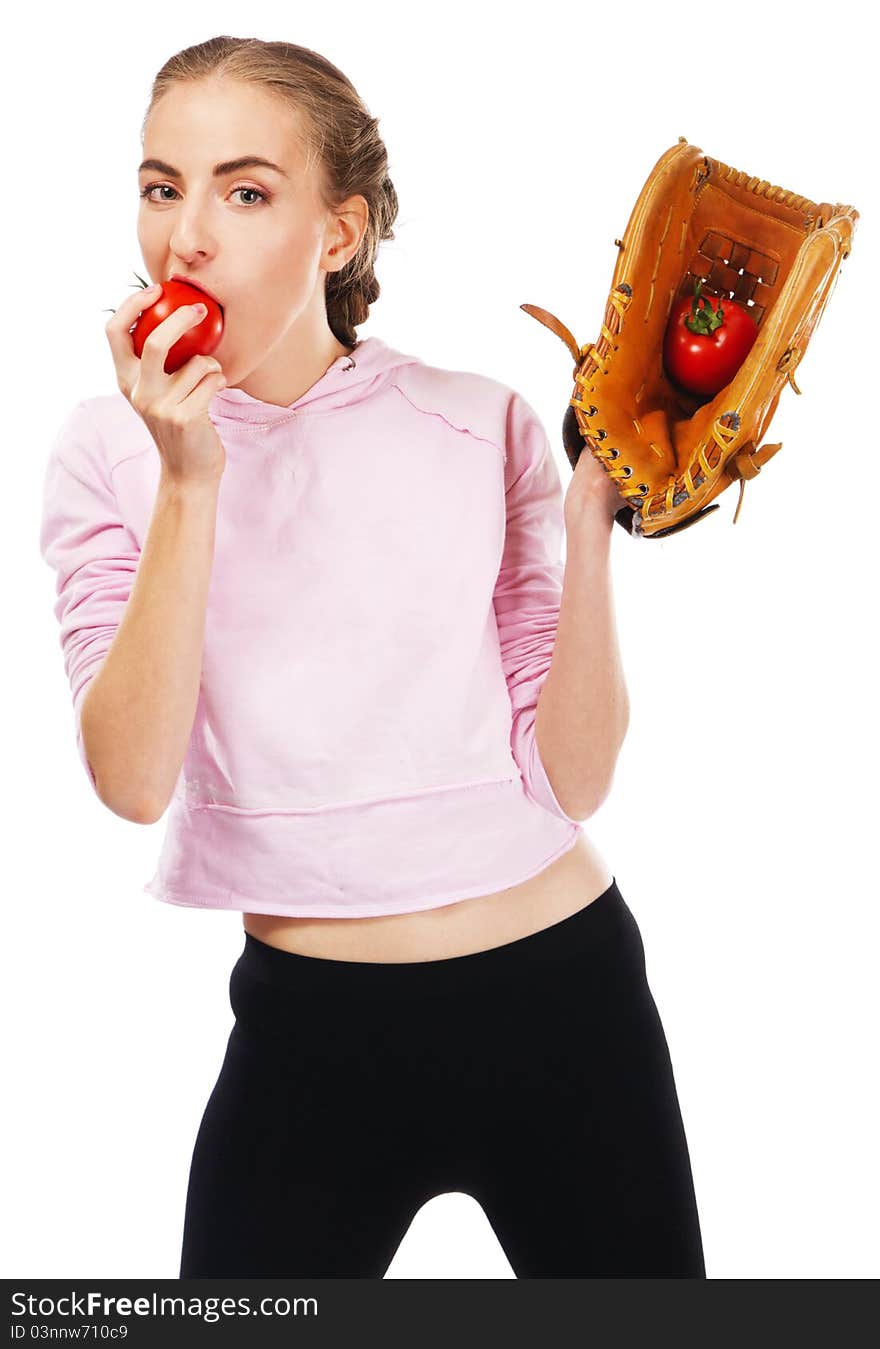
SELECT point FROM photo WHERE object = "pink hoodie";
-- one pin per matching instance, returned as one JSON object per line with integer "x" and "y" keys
{"x": 381, "y": 615}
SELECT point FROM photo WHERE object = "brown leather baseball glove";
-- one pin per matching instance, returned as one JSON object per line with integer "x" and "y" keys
{"x": 671, "y": 451}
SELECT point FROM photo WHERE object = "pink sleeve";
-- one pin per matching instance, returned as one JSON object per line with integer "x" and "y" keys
{"x": 93, "y": 554}
{"x": 528, "y": 590}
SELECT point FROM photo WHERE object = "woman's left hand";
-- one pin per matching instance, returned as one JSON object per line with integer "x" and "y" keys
{"x": 591, "y": 488}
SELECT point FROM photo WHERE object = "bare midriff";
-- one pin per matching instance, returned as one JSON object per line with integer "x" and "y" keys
{"x": 569, "y": 883}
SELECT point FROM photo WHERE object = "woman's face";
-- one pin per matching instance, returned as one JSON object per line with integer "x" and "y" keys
{"x": 257, "y": 237}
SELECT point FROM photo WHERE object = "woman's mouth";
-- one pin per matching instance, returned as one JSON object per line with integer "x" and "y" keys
{"x": 199, "y": 285}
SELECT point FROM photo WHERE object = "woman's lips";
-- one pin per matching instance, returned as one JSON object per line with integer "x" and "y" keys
{"x": 199, "y": 285}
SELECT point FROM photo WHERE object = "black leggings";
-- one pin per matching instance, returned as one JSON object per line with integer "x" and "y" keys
{"x": 534, "y": 1076}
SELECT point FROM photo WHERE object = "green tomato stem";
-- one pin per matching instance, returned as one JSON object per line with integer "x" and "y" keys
{"x": 703, "y": 321}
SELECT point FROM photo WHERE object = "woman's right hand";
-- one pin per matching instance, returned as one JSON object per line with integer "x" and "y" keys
{"x": 173, "y": 407}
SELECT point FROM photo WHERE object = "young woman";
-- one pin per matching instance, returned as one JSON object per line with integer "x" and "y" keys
{"x": 312, "y": 587}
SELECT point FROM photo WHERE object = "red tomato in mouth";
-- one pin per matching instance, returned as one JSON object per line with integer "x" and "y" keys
{"x": 202, "y": 339}
{"x": 704, "y": 361}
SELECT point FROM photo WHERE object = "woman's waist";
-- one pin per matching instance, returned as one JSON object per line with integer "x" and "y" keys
{"x": 567, "y": 884}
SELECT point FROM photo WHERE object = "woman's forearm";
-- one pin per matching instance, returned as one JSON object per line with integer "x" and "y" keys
{"x": 583, "y": 708}
{"x": 137, "y": 716}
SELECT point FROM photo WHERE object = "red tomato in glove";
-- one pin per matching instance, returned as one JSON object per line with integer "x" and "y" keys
{"x": 202, "y": 339}
{"x": 704, "y": 347}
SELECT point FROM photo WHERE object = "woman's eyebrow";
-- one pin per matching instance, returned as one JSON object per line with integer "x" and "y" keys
{"x": 220, "y": 170}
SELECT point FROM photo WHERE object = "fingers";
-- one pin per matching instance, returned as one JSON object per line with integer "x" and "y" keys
{"x": 118, "y": 330}
{"x": 193, "y": 375}
{"x": 166, "y": 333}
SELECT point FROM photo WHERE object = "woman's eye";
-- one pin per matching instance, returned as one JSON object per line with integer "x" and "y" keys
{"x": 166, "y": 187}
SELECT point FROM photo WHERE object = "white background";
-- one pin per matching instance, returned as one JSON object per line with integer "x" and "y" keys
{"x": 741, "y": 827}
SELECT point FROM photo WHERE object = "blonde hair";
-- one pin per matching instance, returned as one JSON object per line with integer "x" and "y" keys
{"x": 339, "y": 137}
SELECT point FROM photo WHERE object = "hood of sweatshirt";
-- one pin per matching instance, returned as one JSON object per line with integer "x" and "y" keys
{"x": 350, "y": 379}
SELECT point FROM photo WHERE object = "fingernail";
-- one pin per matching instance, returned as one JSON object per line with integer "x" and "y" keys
{"x": 151, "y": 290}
{"x": 200, "y": 309}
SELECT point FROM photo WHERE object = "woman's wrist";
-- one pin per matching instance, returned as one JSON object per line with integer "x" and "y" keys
{"x": 591, "y": 512}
